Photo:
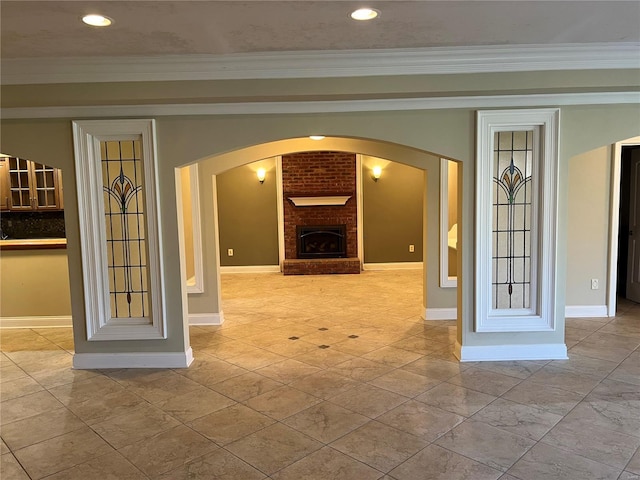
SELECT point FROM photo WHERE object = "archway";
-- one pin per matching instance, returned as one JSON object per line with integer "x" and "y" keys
{"x": 207, "y": 305}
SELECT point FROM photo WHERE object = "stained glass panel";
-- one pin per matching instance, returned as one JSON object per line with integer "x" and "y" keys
{"x": 122, "y": 176}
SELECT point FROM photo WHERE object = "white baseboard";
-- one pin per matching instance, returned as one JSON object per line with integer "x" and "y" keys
{"x": 392, "y": 266}
{"x": 206, "y": 318}
{"x": 90, "y": 361}
{"x": 36, "y": 322}
{"x": 581, "y": 311}
{"x": 431, "y": 314}
{"x": 251, "y": 269}
{"x": 497, "y": 353}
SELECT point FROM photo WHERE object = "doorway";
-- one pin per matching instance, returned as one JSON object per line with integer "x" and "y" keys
{"x": 627, "y": 286}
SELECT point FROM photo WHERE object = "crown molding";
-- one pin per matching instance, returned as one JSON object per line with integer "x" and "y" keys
{"x": 322, "y": 64}
{"x": 343, "y": 106}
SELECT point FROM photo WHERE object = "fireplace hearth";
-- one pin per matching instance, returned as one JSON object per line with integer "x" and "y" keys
{"x": 321, "y": 241}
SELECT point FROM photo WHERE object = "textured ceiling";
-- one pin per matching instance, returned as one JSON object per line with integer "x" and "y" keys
{"x": 53, "y": 28}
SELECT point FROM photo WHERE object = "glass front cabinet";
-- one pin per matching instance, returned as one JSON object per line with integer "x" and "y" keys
{"x": 29, "y": 186}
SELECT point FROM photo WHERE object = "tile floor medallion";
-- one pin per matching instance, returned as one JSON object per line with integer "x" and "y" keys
{"x": 325, "y": 378}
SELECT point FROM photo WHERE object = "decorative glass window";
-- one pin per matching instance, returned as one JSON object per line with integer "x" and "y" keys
{"x": 119, "y": 229}
{"x": 516, "y": 220}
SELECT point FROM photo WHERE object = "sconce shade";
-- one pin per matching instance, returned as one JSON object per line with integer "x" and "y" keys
{"x": 377, "y": 170}
{"x": 261, "y": 173}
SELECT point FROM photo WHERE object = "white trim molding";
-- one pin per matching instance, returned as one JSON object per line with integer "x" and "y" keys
{"x": 445, "y": 280}
{"x": 330, "y": 106}
{"x": 280, "y": 211}
{"x": 393, "y": 266}
{"x": 540, "y": 314}
{"x": 323, "y": 64}
{"x": 503, "y": 353}
{"x": 585, "y": 311}
{"x": 38, "y": 321}
{"x": 196, "y": 319}
{"x": 250, "y": 269}
{"x": 434, "y": 314}
{"x": 195, "y": 284}
{"x": 88, "y": 135}
{"x": 91, "y": 361}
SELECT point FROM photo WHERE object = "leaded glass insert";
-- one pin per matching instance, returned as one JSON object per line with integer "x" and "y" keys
{"x": 513, "y": 200}
{"x": 123, "y": 178}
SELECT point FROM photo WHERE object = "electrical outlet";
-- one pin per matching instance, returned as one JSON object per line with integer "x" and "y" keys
{"x": 412, "y": 248}
{"x": 230, "y": 252}
{"x": 594, "y": 284}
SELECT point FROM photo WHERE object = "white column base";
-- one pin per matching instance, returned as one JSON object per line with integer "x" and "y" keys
{"x": 498, "y": 353}
{"x": 431, "y": 314}
{"x": 206, "y": 318}
{"x": 89, "y": 361}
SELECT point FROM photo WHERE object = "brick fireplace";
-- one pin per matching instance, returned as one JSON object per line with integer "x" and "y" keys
{"x": 319, "y": 182}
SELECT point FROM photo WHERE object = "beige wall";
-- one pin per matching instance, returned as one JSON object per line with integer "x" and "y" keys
{"x": 187, "y": 220}
{"x": 587, "y": 227}
{"x": 34, "y": 283}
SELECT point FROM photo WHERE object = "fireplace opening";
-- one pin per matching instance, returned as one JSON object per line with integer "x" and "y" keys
{"x": 322, "y": 241}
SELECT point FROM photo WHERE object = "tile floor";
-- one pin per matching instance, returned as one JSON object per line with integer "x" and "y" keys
{"x": 326, "y": 377}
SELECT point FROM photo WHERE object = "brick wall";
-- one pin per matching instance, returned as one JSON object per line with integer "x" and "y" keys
{"x": 311, "y": 174}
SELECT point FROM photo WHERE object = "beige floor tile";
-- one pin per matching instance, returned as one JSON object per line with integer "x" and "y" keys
{"x": 608, "y": 416}
{"x": 437, "y": 463}
{"x": 11, "y": 469}
{"x": 93, "y": 387}
{"x": 217, "y": 465}
{"x": 404, "y": 383}
{"x": 231, "y": 424}
{"x": 40, "y": 427}
{"x": 485, "y": 381}
{"x": 273, "y": 448}
{"x": 282, "y": 402}
{"x": 518, "y": 369}
{"x": 327, "y": 464}
{"x": 324, "y": 384}
{"x": 27, "y": 406}
{"x": 544, "y": 462}
{"x": 164, "y": 388}
{"x": 256, "y": 359}
{"x": 393, "y": 357}
{"x": 230, "y": 349}
{"x": 455, "y": 399}
{"x": 19, "y": 388}
{"x": 326, "y": 421}
{"x": 368, "y": 400}
{"x": 10, "y": 372}
{"x": 167, "y": 450}
{"x": 361, "y": 369}
{"x": 596, "y": 443}
{"x": 141, "y": 422}
{"x": 634, "y": 464}
{"x": 629, "y": 370}
{"x": 486, "y": 444}
{"x": 435, "y": 368}
{"x": 523, "y": 420}
{"x": 197, "y": 403}
{"x": 212, "y": 374}
{"x": 324, "y": 358}
{"x": 586, "y": 365}
{"x": 290, "y": 348}
{"x": 245, "y": 386}
{"x": 423, "y": 421}
{"x": 98, "y": 409}
{"x": 63, "y": 376}
{"x": 42, "y": 360}
{"x": 112, "y": 466}
{"x": 288, "y": 371}
{"x": 59, "y": 453}
{"x": 3, "y": 447}
{"x": 544, "y": 397}
{"x": 379, "y": 446}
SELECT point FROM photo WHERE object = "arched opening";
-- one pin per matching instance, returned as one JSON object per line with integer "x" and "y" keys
{"x": 440, "y": 304}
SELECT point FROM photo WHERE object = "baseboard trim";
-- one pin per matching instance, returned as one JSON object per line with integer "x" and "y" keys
{"x": 36, "y": 322}
{"x": 251, "y": 269}
{"x": 392, "y": 266}
{"x": 582, "y": 311}
{"x": 206, "y": 318}
{"x": 90, "y": 361}
{"x": 497, "y": 353}
{"x": 431, "y": 314}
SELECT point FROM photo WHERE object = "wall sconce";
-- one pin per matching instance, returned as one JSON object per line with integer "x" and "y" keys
{"x": 261, "y": 173}
{"x": 377, "y": 170}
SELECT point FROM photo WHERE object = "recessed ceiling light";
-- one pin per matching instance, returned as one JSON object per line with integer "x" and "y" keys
{"x": 316, "y": 137}
{"x": 365, "y": 14}
{"x": 97, "y": 20}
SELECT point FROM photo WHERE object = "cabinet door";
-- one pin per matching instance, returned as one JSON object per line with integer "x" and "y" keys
{"x": 20, "y": 197}
{"x": 4, "y": 184}
{"x": 44, "y": 187}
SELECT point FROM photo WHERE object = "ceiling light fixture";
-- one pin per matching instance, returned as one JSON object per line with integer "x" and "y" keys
{"x": 316, "y": 137}
{"x": 365, "y": 14}
{"x": 97, "y": 20}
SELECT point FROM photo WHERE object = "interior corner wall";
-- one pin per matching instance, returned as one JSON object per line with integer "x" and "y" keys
{"x": 588, "y": 188}
{"x": 248, "y": 216}
{"x": 392, "y": 211}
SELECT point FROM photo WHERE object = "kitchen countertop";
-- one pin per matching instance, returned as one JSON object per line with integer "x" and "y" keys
{"x": 33, "y": 244}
